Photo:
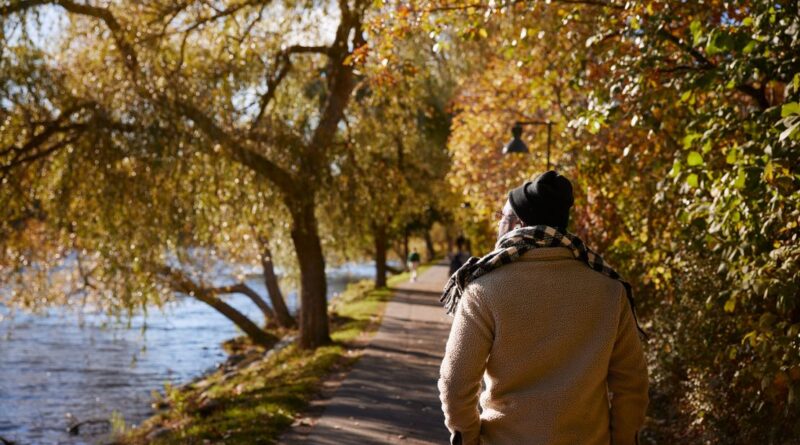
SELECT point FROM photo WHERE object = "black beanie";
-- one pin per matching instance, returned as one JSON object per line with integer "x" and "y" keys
{"x": 544, "y": 201}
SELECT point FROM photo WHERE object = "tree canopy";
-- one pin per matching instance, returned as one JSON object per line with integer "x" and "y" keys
{"x": 143, "y": 142}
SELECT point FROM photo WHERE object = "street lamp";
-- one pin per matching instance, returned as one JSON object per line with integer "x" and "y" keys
{"x": 517, "y": 146}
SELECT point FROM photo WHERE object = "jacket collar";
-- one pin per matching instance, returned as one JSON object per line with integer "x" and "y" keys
{"x": 547, "y": 253}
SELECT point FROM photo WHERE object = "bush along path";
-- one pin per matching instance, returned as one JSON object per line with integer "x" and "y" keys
{"x": 390, "y": 395}
{"x": 256, "y": 395}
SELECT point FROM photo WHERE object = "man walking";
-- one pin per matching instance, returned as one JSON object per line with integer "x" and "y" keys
{"x": 461, "y": 254}
{"x": 551, "y": 329}
{"x": 413, "y": 264}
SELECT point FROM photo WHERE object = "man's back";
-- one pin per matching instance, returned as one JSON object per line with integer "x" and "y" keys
{"x": 550, "y": 333}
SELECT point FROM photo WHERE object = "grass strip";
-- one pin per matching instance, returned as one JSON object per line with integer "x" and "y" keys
{"x": 256, "y": 403}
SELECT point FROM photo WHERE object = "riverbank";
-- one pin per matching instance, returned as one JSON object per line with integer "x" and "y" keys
{"x": 255, "y": 395}
{"x": 65, "y": 367}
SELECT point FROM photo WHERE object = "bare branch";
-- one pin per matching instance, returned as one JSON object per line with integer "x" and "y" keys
{"x": 272, "y": 87}
{"x": 306, "y": 49}
{"x": 128, "y": 53}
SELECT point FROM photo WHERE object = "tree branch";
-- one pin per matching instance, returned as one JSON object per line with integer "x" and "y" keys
{"x": 677, "y": 41}
{"x": 482, "y": 6}
{"x": 235, "y": 150}
{"x": 755, "y": 93}
{"x": 117, "y": 32}
{"x": 33, "y": 149}
{"x": 282, "y": 66}
{"x": 50, "y": 128}
{"x": 14, "y": 7}
{"x": 222, "y": 13}
{"x": 341, "y": 81}
{"x": 129, "y": 56}
{"x": 19, "y": 161}
{"x": 244, "y": 289}
{"x": 247, "y": 157}
{"x": 181, "y": 282}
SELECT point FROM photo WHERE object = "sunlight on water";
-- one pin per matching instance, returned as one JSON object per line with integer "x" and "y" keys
{"x": 55, "y": 371}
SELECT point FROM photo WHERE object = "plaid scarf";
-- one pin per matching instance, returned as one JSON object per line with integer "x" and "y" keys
{"x": 515, "y": 243}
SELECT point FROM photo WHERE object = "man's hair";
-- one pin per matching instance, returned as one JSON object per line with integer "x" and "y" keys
{"x": 545, "y": 200}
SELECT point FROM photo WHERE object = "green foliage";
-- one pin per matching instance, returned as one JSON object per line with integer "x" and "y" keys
{"x": 726, "y": 345}
{"x": 389, "y": 177}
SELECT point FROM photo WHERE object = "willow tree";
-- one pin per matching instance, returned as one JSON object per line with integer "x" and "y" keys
{"x": 391, "y": 173}
{"x": 263, "y": 85}
{"x": 114, "y": 216}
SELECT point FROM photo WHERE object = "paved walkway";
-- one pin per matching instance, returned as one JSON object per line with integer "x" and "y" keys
{"x": 390, "y": 395}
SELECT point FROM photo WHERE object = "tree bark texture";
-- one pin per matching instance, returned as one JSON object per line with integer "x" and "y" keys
{"x": 182, "y": 283}
{"x": 429, "y": 246}
{"x": 313, "y": 286}
{"x": 282, "y": 315}
{"x": 381, "y": 247}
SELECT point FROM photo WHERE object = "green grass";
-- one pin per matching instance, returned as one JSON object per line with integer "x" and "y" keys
{"x": 260, "y": 402}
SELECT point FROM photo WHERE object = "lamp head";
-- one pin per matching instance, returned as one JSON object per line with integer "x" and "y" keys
{"x": 516, "y": 145}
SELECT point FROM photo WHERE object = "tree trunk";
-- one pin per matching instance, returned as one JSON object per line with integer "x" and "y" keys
{"x": 256, "y": 334}
{"x": 405, "y": 249}
{"x": 314, "y": 331}
{"x": 394, "y": 270}
{"x": 282, "y": 315}
{"x": 182, "y": 283}
{"x": 379, "y": 233}
{"x": 241, "y": 288}
{"x": 449, "y": 244}
{"x": 429, "y": 245}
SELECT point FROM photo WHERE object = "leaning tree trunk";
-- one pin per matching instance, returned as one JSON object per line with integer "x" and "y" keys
{"x": 282, "y": 315}
{"x": 241, "y": 288}
{"x": 256, "y": 334}
{"x": 379, "y": 233}
{"x": 180, "y": 282}
{"x": 314, "y": 331}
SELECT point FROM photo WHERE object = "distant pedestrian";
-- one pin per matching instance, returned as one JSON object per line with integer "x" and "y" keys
{"x": 461, "y": 255}
{"x": 413, "y": 264}
{"x": 551, "y": 330}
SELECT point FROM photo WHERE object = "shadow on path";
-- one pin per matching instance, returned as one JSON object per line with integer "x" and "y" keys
{"x": 390, "y": 396}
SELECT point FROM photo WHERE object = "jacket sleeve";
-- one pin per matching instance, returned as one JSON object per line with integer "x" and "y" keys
{"x": 627, "y": 381}
{"x": 468, "y": 348}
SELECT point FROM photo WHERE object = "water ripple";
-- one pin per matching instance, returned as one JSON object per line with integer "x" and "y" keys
{"x": 55, "y": 369}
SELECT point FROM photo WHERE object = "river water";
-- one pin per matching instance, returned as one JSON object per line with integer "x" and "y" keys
{"x": 64, "y": 367}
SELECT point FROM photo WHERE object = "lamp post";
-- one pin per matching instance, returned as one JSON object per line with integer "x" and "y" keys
{"x": 518, "y": 146}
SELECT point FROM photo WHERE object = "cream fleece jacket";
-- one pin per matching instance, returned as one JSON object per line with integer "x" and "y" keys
{"x": 551, "y": 338}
